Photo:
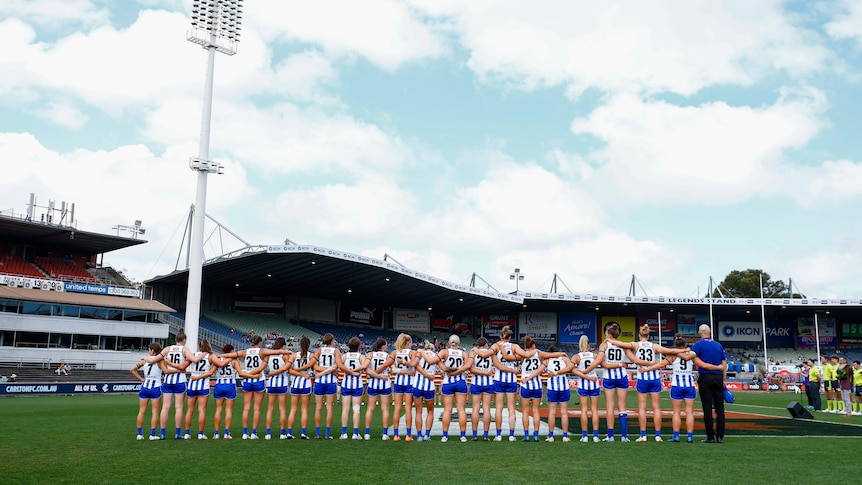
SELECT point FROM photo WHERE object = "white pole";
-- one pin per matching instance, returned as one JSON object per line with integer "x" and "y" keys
{"x": 659, "y": 327}
{"x": 711, "y": 330}
{"x": 193, "y": 297}
{"x": 763, "y": 323}
{"x": 817, "y": 339}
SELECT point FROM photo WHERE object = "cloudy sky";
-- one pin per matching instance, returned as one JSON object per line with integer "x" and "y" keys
{"x": 669, "y": 140}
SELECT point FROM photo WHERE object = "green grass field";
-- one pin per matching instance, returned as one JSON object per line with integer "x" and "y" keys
{"x": 91, "y": 439}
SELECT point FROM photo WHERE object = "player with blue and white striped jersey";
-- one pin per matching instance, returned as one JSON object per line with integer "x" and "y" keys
{"x": 302, "y": 371}
{"x": 682, "y": 386}
{"x": 481, "y": 388}
{"x": 589, "y": 391}
{"x": 532, "y": 366}
{"x": 325, "y": 386}
{"x": 505, "y": 379}
{"x": 177, "y": 357}
{"x": 352, "y": 363}
{"x": 199, "y": 388}
{"x": 645, "y": 353}
{"x": 404, "y": 371}
{"x": 225, "y": 390}
{"x": 454, "y": 363}
{"x": 254, "y": 362}
{"x": 379, "y": 386}
{"x": 558, "y": 393}
{"x": 279, "y": 360}
{"x": 615, "y": 381}
{"x": 425, "y": 362}
{"x": 151, "y": 389}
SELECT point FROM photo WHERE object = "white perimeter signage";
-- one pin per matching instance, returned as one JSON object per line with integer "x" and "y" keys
{"x": 405, "y": 320}
{"x": 540, "y": 326}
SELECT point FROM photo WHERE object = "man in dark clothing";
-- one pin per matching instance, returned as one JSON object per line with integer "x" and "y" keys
{"x": 710, "y": 382}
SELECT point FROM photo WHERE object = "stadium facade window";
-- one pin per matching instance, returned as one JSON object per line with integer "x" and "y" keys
{"x": 32, "y": 339}
{"x": 134, "y": 316}
{"x": 7, "y": 338}
{"x": 133, "y": 343}
{"x": 34, "y": 308}
{"x": 9, "y": 306}
{"x": 60, "y": 340}
{"x": 94, "y": 313}
{"x": 108, "y": 342}
{"x": 65, "y": 310}
{"x": 114, "y": 314}
{"x": 83, "y": 341}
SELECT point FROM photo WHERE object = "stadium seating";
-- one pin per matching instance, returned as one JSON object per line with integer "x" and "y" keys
{"x": 259, "y": 324}
{"x": 66, "y": 269}
{"x": 16, "y": 265}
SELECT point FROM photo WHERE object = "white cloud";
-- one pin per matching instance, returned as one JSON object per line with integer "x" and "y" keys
{"x": 847, "y": 22}
{"x": 303, "y": 77}
{"x": 63, "y": 114}
{"x": 832, "y": 181}
{"x": 370, "y": 209}
{"x": 712, "y": 153}
{"x": 673, "y": 46}
{"x": 54, "y": 13}
{"x": 110, "y": 187}
{"x": 827, "y": 272}
{"x": 386, "y": 32}
{"x": 513, "y": 206}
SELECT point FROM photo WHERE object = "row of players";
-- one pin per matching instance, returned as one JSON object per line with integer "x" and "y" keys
{"x": 406, "y": 377}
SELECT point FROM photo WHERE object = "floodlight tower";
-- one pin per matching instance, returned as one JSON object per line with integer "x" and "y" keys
{"x": 215, "y": 27}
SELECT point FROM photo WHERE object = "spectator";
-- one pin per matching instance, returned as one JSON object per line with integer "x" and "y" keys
{"x": 13, "y": 378}
{"x": 845, "y": 379}
{"x": 63, "y": 369}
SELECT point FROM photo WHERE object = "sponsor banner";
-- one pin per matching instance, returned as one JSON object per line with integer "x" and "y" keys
{"x": 540, "y": 326}
{"x": 120, "y": 291}
{"x": 493, "y": 323}
{"x": 628, "y": 329}
{"x": 95, "y": 289}
{"x": 663, "y": 300}
{"x": 370, "y": 316}
{"x": 780, "y": 335}
{"x": 30, "y": 283}
{"x": 667, "y": 323}
{"x": 668, "y": 327}
{"x": 740, "y": 332}
{"x": 783, "y": 387}
{"x": 457, "y": 324}
{"x": 405, "y": 320}
{"x": 851, "y": 333}
{"x": 807, "y": 334}
{"x": 575, "y": 324}
{"x": 85, "y": 288}
{"x": 783, "y": 369}
{"x": 687, "y": 323}
{"x": 31, "y": 388}
{"x": 249, "y": 302}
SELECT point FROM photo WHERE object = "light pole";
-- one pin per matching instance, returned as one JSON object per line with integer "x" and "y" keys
{"x": 517, "y": 276}
{"x": 216, "y": 27}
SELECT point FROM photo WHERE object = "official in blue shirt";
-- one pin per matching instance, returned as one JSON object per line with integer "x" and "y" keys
{"x": 712, "y": 369}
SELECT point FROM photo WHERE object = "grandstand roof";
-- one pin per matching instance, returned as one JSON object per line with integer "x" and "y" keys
{"x": 70, "y": 298}
{"x": 18, "y": 230}
{"x": 318, "y": 273}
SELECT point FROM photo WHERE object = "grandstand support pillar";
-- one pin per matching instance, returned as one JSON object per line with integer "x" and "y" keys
{"x": 215, "y": 27}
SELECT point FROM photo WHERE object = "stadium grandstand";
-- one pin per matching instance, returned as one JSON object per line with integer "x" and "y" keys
{"x": 294, "y": 290}
{"x": 50, "y": 277}
{"x": 59, "y": 303}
